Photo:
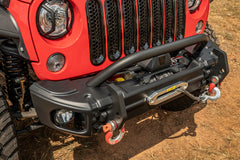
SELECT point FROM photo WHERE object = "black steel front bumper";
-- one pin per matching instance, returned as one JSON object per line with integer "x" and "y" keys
{"x": 97, "y": 102}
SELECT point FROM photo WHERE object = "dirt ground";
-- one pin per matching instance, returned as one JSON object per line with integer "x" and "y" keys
{"x": 209, "y": 131}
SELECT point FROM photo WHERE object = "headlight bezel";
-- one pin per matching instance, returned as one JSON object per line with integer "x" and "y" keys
{"x": 194, "y": 6}
{"x": 53, "y": 28}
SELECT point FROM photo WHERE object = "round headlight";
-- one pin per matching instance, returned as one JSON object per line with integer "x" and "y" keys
{"x": 193, "y": 5}
{"x": 54, "y": 18}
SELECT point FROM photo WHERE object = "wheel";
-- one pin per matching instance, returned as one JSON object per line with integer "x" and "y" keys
{"x": 185, "y": 102}
{"x": 211, "y": 34}
{"x": 8, "y": 140}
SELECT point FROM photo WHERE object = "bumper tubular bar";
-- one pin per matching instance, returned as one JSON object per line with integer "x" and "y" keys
{"x": 145, "y": 54}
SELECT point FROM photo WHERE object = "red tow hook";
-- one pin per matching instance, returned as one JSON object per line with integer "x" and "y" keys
{"x": 108, "y": 129}
{"x": 211, "y": 86}
{"x": 215, "y": 81}
{"x": 213, "y": 89}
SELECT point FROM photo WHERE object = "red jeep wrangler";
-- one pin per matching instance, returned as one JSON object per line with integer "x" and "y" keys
{"x": 87, "y": 66}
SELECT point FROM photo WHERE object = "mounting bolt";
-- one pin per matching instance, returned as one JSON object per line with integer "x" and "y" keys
{"x": 103, "y": 116}
{"x": 215, "y": 80}
{"x": 208, "y": 71}
{"x": 21, "y": 49}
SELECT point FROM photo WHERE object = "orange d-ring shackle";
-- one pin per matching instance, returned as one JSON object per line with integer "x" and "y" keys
{"x": 109, "y": 128}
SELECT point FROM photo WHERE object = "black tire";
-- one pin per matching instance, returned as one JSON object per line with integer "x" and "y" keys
{"x": 211, "y": 34}
{"x": 186, "y": 102}
{"x": 8, "y": 139}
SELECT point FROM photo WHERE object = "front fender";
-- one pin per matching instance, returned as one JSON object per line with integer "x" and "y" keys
{"x": 15, "y": 25}
{"x": 8, "y": 26}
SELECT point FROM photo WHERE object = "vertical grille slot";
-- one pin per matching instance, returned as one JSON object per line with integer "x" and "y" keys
{"x": 181, "y": 18}
{"x": 114, "y": 30}
{"x": 157, "y": 22}
{"x": 144, "y": 21}
{"x": 169, "y": 20}
{"x": 96, "y": 31}
{"x": 164, "y": 18}
{"x": 130, "y": 26}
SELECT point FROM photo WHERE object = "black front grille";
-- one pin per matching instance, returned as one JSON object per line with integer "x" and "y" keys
{"x": 96, "y": 31}
{"x": 130, "y": 26}
{"x": 169, "y": 20}
{"x": 157, "y": 22}
{"x": 144, "y": 22}
{"x": 138, "y": 18}
{"x": 181, "y": 14}
{"x": 114, "y": 30}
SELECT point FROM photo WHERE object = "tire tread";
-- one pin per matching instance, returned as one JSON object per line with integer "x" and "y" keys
{"x": 8, "y": 140}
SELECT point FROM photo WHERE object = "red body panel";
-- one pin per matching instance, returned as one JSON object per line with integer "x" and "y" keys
{"x": 74, "y": 45}
{"x": 193, "y": 18}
